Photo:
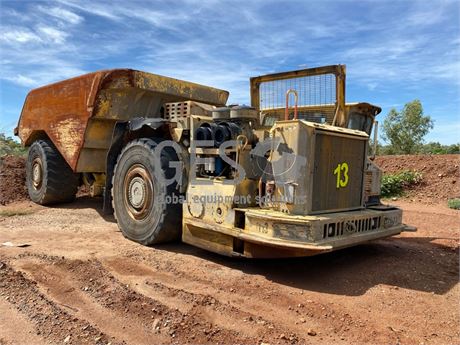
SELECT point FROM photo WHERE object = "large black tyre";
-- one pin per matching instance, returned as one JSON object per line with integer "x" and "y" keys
{"x": 49, "y": 178}
{"x": 140, "y": 197}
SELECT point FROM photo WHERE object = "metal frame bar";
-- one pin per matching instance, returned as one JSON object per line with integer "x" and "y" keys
{"x": 338, "y": 70}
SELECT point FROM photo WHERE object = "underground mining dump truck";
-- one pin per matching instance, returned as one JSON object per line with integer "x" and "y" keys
{"x": 289, "y": 175}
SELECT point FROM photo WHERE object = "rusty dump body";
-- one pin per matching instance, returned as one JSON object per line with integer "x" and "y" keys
{"x": 307, "y": 185}
{"x": 79, "y": 114}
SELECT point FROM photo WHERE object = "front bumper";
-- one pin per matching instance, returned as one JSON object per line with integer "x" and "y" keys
{"x": 268, "y": 233}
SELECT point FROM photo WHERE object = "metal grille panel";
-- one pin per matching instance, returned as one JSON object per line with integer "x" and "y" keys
{"x": 312, "y": 90}
{"x": 177, "y": 111}
{"x": 351, "y": 226}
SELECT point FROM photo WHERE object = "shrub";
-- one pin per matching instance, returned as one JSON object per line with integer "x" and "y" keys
{"x": 395, "y": 184}
{"x": 8, "y": 146}
{"x": 454, "y": 203}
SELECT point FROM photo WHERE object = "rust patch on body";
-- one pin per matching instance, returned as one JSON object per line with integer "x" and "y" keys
{"x": 68, "y": 133}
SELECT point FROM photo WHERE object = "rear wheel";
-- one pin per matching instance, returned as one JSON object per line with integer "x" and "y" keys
{"x": 49, "y": 178}
{"x": 143, "y": 204}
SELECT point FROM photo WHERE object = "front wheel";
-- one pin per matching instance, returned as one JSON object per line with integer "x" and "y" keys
{"x": 147, "y": 210}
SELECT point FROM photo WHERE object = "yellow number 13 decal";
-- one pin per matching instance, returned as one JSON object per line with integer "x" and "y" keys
{"x": 342, "y": 175}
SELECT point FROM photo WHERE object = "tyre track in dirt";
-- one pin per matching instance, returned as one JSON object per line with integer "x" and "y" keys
{"x": 63, "y": 289}
{"x": 181, "y": 288}
{"x": 50, "y": 320}
{"x": 297, "y": 310}
{"x": 87, "y": 288}
{"x": 213, "y": 306}
{"x": 25, "y": 334}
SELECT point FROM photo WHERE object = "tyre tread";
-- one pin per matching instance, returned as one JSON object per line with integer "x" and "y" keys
{"x": 169, "y": 215}
{"x": 60, "y": 182}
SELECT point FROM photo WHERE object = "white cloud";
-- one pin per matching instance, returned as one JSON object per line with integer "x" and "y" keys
{"x": 62, "y": 14}
{"x": 18, "y": 35}
{"x": 23, "y": 80}
{"x": 13, "y": 14}
{"x": 427, "y": 16}
{"x": 51, "y": 34}
{"x": 102, "y": 10}
{"x": 53, "y": 71}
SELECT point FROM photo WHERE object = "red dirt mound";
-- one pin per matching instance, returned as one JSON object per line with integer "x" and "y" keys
{"x": 12, "y": 179}
{"x": 440, "y": 173}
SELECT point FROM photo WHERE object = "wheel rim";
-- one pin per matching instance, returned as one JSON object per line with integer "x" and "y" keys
{"x": 138, "y": 192}
{"x": 37, "y": 173}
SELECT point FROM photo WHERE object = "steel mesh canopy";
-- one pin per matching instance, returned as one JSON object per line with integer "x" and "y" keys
{"x": 312, "y": 90}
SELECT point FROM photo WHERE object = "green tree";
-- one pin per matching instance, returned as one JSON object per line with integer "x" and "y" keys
{"x": 436, "y": 148}
{"x": 454, "y": 148}
{"x": 8, "y": 146}
{"x": 405, "y": 129}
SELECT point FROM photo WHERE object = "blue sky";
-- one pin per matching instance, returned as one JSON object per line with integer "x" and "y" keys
{"x": 395, "y": 51}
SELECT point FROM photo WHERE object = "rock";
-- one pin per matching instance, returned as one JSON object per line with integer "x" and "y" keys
{"x": 283, "y": 336}
{"x": 97, "y": 339}
{"x": 156, "y": 325}
{"x": 311, "y": 332}
{"x": 67, "y": 339}
{"x": 302, "y": 320}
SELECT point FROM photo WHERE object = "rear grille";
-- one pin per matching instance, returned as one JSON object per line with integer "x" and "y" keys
{"x": 349, "y": 227}
{"x": 332, "y": 151}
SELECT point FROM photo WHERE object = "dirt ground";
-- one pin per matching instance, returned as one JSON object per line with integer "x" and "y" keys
{"x": 69, "y": 276}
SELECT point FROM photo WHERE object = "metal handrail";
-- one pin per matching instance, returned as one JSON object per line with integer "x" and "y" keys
{"x": 296, "y": 99}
